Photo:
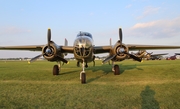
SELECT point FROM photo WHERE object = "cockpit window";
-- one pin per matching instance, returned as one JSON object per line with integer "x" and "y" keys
{"x": 84, "y": 34}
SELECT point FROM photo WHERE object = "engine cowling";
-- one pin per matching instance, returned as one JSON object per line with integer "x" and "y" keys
{"x": 121, "y": 51}
{"x": 52, "y": 53}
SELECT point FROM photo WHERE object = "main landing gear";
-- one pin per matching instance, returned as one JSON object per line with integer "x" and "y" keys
{"x": 56, "y": 69}
{"x": 115, "y": 69}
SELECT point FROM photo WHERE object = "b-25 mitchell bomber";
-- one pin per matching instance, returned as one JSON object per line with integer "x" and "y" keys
{"x": 84, "y": 51}
{"x": 149, "y": 56}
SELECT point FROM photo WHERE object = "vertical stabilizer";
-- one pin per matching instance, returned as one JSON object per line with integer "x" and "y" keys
{"x": 65, "y": 44}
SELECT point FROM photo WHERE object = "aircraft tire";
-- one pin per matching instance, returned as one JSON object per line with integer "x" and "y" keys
{"x": 83, "y": 78}
{"x": 116, "y": 70}
{"x": 55, "y": 70}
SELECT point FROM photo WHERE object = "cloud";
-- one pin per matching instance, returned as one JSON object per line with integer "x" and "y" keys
{"x": 12, "y": 30}
{"x": 91, "y": 14}
{"x": 156, "y": 29}
{"x": 129, "y": 6}
{"x": 149, "y": 11}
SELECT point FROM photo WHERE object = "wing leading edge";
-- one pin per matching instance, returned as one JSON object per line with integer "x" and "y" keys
{"x": 64, "y": 49}
{"x": 26, "y": 47}
{"x": 131, "y": 47}
{"x": 150, "y": 47}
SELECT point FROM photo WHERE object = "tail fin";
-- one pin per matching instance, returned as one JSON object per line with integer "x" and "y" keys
{"x": 65, "y": 44}
{"x": 110, "y": 42}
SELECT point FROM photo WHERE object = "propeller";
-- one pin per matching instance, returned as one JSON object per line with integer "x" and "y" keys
{"x": 109, "y": 58}
{"x": 135, "y": 57}
{"x": 121, "y": 51}
{"x": 48, "y": 50}
{"x": 120, "y": 36}
{"x": 35, "y": 58}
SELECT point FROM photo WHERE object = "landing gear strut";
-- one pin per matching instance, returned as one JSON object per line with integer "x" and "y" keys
{"x": 83, "y": 74}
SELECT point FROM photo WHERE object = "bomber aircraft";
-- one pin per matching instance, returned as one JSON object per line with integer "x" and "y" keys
{"x": 84, "y": 51}
{"x": 147, "y": 55}
{"x": 174, "y": 57}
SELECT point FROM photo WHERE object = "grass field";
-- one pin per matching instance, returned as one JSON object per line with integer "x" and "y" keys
{"x": 147, "y": 85}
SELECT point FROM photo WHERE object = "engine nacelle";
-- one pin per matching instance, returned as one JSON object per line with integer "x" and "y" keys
{"x": 52, "y": 53}
{"x": 121, "y": 51}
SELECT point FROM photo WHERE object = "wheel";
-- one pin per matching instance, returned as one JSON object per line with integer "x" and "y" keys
{"x": 55, "y": 70}
{"x": 83, "y": 78}
{"x": 116, "y": 70}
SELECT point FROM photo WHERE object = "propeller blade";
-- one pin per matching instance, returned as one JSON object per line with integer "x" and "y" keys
{"x": 49, "y": 37}
{"x": 62, "y": 59}
{"x": 35, "y": 58}
{"x": 135, "y": 58}
{"x": 120, "y": 35}
{"x": 108, "y": 58}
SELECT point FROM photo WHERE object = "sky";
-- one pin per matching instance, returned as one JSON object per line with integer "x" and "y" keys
{"x": 25, "y": 22}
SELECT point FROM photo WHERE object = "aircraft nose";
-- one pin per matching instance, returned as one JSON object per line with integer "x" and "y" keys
{"x": 82, "y": 46}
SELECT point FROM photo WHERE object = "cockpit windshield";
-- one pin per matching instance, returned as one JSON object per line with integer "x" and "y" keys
{"x": 84, "y": 34}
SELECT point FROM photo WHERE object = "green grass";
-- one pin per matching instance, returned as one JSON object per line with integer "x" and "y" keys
{"x": 151, "y": 84}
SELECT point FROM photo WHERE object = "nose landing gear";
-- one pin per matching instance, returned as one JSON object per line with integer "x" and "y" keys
{"x": 83, "y": 74}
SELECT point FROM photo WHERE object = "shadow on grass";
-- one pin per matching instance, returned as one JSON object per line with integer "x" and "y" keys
{"x": 65, "y": 73}
{"x": 128, "y": 67}
{"x": 148, "y": 100}
{"x": 106, "y": 69}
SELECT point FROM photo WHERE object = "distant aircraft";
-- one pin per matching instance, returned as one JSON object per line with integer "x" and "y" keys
{"x": 148, "y": 56}
{"x": 84, "y": 51}
{"x": 173, "y": 57}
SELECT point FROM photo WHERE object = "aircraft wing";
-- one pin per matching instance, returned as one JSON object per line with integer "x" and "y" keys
{"x": 150, "y": 47}
{"x": 102, "y": 49}
{"x": 65, "y": 49}
{"x": 107, "y": 49}
{"x": 26, "y": 47}
{"x": 97, "y": 49}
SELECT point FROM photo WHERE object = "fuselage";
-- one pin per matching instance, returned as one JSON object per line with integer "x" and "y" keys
{"x": 83, "y": 47}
